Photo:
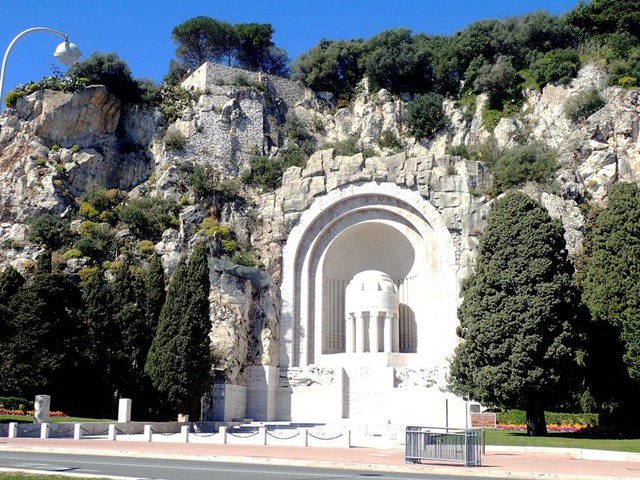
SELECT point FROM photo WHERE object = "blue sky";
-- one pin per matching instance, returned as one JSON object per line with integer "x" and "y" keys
{"x": 139, "y": 31}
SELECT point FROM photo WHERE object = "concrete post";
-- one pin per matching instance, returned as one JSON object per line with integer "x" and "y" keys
{"x": 13, "y": 430}
{"x": 262, "y": 433}
{"x": 124, "y": 410}
{"x": 42, "y": 405}
{"x": 223, "y": 433}
{"x": 148, "y": 433}
{"x": 77, "y": 431}
{"x": 112, "y": 432}
{"x": 305, "y": 436}
{"x": 44, "y": 430}
{"x": 184, "y": 433}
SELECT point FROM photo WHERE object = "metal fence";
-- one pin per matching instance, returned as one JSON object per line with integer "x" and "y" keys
{"x": 443, "y": 444}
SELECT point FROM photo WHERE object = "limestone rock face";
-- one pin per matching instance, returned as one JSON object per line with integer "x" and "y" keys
{"x": 102, "y": 144}
{"x": 79, "y": 118}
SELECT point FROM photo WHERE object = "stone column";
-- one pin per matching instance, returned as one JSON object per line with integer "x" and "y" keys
{"x": 349, "y": 334}
{"x": 388, "y": 334}
{"x": 395, "y": 328}
{"x": 42, "y": 405}
{"x": 374, "y": 332}
{"x": 359, "y": 333}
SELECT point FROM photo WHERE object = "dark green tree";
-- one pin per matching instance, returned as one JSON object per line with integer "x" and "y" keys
{"x": 395, "y": 62}
{"x": 179, "y": 361}
{"x": 203, "y": 39}
{"x": 601, "y": 17}
{"x": 609, "y": 275}
{"x": 148, "y": 217}
{"x": 425, "y": 116}
{"x": 519, "y": 319}
{"x": 44, "y": 349}
{"x": 331, "y": 66}
{"x": 10, "y": 283}
{"x": 102, "y": 344}
{"x": 111, "y": 71}
{"x": 49, "y": 229}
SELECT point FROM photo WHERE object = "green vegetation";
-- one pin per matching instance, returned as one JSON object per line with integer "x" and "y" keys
{"x": 148, "y": 217}
{"x": 519, "y": 319}
{"x": 49, "y": 229}
{"x": 180, "y": 359}
{"x": 245, "y": 45}
{"x": 425, "y": 116}
{"x": 583, "y": 105}
{"x": 608, "y": 274}
{"x": 563, "y": 440}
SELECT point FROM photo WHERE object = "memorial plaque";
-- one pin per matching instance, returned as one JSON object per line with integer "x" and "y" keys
{"x": 483, "y": 420}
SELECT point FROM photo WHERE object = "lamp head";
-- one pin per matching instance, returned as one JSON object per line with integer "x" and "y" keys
{"x": 67, "y": 53}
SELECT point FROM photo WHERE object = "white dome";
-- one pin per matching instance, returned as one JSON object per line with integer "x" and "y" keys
{"x": 371, "y": 291}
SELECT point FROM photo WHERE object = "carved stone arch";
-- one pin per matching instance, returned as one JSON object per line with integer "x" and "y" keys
{"x": 362, "y": 227}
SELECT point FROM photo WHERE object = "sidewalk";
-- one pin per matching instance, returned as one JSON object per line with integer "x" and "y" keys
{"x": 499, "y": 464}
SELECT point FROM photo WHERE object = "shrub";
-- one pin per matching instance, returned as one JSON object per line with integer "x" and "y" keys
{"x": 246, "y": 259}
{"x": 75, "y": 148}
{"x": 111, "y": 71}
{"x": 555, "y": 66}
{"x": 388, "y": 139}
{"x": 49, "y": 229}
{"x": 264, "y": 172}
{"x": 95, "y": 241}
{"x": 174, "y": 140}
{"x": 175, "y": 100}
{"x": 12, "y": 97}
{"x": 346, "y": 148}
{"x": 517, "y": 417}
{"x": 425, "y": 116}
{"x": 148, "y": 217}
{"x": 146, "y": 247}
{"x": 16, "y": 403}
{"x": 72, "y": 253}
{"x": 88, "y": 211}
{"x": 534, "y": 162}
{"x": 583, "y": 105}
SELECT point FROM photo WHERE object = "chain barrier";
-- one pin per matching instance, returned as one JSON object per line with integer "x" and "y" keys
{"x": 62, "y": 432}
{"x": 324, "y": 438}
{"x": 246, "y": 435}
{"x": 283, "y": 438}
{"x": 92, "y": 432}
{"x": 203, "y": 435}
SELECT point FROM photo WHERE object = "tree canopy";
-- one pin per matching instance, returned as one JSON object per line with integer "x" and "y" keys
{"x": 244, "y": 45}
{"x": 609, "y": 275}
{"x": 519, "y": 319}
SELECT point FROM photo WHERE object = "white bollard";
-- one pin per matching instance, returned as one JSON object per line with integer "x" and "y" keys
{"x": 148, "y": 433}
{"x": 262, "y": 433}
{"x": 77, "y": 431}
{"x": 124, "y": 410}
{"x": 184, "y": 433}
{"x": 305, "y": 436}
{"x": 13, "y": 430}
{"x": 223, "y": 433}
{"x": 112, "y": 432}
{"x": 44, "y": 430}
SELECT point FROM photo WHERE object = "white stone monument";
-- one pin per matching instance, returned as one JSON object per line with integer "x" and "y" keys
{"x": 42, "y": 406}
{"x": 124, "y": 410}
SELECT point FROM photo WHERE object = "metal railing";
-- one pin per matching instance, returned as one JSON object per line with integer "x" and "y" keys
{"x": 443, "y": 444}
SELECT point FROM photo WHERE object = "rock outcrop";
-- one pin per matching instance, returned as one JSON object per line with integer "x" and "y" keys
{"x": 55, "y": 147}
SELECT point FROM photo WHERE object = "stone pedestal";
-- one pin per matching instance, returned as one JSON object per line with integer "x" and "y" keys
{"x": 124, "y": 410}
{"x": 261, "y": 392}
{"x": 42, "y": 405}
{"x": 229, "y": 402}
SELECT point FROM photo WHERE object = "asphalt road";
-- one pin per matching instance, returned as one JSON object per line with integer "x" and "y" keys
{"x": 169, "y": 469}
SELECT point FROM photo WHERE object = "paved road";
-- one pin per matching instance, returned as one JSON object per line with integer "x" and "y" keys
{"x": 168, "y": 469}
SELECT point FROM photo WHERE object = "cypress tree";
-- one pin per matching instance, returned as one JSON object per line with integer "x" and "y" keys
{"x": 179, "y": 361}
{"x": 519, "y": 316}
{"x": 609, "y": 275}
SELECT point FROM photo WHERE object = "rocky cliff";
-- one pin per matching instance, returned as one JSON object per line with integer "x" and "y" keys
{"x": 56, "y": 147}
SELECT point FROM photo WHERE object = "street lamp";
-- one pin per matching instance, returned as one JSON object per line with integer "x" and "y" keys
{"x": 67, "y": 53}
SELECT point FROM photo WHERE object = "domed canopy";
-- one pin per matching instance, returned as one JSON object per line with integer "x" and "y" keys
{"x": 371, "y": 291}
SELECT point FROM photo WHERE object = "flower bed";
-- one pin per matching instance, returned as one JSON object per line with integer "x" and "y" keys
{"x": 28, "y": 413}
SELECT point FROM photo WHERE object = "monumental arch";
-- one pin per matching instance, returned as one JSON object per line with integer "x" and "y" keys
{"x": 369, "y": 297}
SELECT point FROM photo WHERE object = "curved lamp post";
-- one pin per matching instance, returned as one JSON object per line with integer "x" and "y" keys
{"x": 67, "y": 53}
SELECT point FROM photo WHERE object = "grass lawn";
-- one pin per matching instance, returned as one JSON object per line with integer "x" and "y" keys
{"x": 564, "y": 440}
{"x": 29, "y": 419}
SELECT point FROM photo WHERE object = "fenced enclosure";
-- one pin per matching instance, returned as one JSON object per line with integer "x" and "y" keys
{"x": 444, "y": 444}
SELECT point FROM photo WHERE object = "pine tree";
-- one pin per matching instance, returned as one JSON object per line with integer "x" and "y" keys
{"x": 520, "y": 315}
{"x": 179, "y": 361}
